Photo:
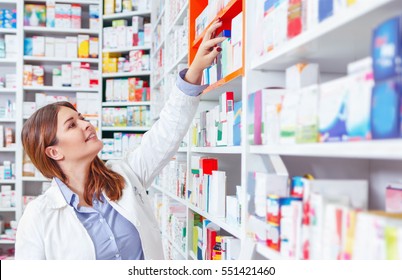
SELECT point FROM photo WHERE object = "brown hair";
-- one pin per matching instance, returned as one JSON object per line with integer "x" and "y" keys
{"x": 39, "y": 132}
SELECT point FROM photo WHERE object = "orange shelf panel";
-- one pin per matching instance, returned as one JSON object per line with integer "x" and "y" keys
{"x": 224, "y": 80}
{"x": 232, "y": 9}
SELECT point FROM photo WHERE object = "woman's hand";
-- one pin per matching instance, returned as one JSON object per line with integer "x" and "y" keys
{"x": 206, "y": 54}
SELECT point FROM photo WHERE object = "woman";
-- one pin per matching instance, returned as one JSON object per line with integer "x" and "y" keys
{"x": 97, "y": 211}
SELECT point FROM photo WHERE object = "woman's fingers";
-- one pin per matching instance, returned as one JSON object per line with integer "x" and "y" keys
{"x": 211, "y": 29}
{"x": 213, "y": 42}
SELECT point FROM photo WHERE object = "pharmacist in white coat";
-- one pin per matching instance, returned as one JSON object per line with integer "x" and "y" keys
{"x": 98, "y": 211}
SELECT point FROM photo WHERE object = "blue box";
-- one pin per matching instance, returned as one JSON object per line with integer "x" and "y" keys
{"x": 385, "y": 109}
{"x": 325, "y": 9}
{"x": 386, "y": 49}
{"x": 237, "y": 123}
{"x": 28, "y": 44}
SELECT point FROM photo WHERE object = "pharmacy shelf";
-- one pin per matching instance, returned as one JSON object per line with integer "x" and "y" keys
{"x": 171, "y": 195}
{"x": 158, "y": 19}
{"x": 5, "y": 241}
{"x": 261, "y": 247}
{"x": 8, "y": 209}
{"x": 182, "y": 59}
{"x": 61, "y": 89}
{"x": 8, "y": 1}
{"x": 126, "y": 50}
{"x": 7, "y": 150}
{"x": 128, "y": 128}
{"x": 125, "y": 15}
{"x": 121, "y": 104}
{"x": 158, "y": 47}
{"x": 81, "y": 2}
{"x": 375, "y": 149}
{"x": 174, "y": 245}
{"x": 182, "y": 150}
{"x": 7, "y": 181}
{"x": 62, "y": 31}
{"x": 35, "y": 179}
{"x": 192, "y": 255}
{"x": 111, "y": 158}
{"x": 8, "y": 90}
{"x": 221, "y": 222}
{"x": 232, "y": 82}
{"x": 233, "y": 7}
{"x": 6, "y": 120}
{"x": 60, "y": 59}
{"x": 320, "y": 44}
{"x": 179, "y": 18}
{"x": 8, "y": 31}
{"x": 8, "y": 60}
{"x": 269, "y": 253}
{"x": 126, "y": 74}
{"x": 217, "y": 150}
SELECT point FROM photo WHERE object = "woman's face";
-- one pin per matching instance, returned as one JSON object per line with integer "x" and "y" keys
{"x": 77, "y": 137}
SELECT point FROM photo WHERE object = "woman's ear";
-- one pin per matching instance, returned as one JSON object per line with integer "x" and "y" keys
{"x": 53, "y": 153}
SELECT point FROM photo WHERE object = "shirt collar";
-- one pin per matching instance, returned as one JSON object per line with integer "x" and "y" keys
{"x": 70, "y": 197}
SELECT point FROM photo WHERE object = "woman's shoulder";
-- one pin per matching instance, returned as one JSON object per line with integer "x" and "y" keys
{"x": 36, "y": 204}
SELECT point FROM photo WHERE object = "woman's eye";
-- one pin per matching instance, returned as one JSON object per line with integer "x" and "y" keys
{"x": 72, "y": 125}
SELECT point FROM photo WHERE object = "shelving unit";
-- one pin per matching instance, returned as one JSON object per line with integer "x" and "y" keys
{"x": 146, "y": 48}
{"x": 32, "y": 185}
{"x": 11, "y": 65}
{"x": 59, "y": 89}
{"x": 122, "y": 104}
{"x": 8, "y": 31}
{"x": 377, "y": 161}
{"x": 61, "y": 31}
{"x": 125, "y": 15}
{"x": 381, "y": 149}
{"x": 88, "y": 2}
{"x": 320, "y": 43}
{"x": 130, "y": 128}
{"x": 126, "y": 74}
{"x": 8, "y": 60}
{"x": 59, "y": 59}
{"x": 7, "y": 90}
{"x": 209, "y": 98}
{"x": 126, "y": 50}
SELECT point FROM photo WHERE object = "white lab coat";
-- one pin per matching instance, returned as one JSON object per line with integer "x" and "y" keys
{"x": 49, "y": 227}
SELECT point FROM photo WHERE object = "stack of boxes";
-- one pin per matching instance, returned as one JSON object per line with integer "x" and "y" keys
{"x": 63, "y": 16}
{"x": 121, "y": 144}
{"x": 8, "y": 46}
{"x": 123, "y": 90}
{"x": 8, "y": 18}
{"x": 219, "y": 126}
{"x": 281, "y": 20}
{"x": 230, "y": 58}
{"x": 7, "y": 170}
{"x": 387, "y": 68}
{"x": 7, "y": 197}
{"x": 76, "y": 74}
{"x": 82, "y": 46}
{"x": 124, "y": 6}
{"x": 131, "y": 116}
{"x": 121, "y": 35}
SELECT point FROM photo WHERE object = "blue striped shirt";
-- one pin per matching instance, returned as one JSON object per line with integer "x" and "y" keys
{"x": 113, "y": 236}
